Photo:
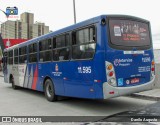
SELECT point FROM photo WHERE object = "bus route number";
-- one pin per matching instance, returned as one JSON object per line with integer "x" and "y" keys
{"x": 84, "y": 69}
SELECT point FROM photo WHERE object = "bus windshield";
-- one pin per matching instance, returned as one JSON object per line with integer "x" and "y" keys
{"x": 129, "y": 33}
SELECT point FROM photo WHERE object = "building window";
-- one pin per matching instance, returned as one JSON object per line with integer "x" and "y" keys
{"x": 83, "y": 43}
{"x": 61, "y": 48}
{"x": 33, "y": 53}
{"x": 45, "y": 50}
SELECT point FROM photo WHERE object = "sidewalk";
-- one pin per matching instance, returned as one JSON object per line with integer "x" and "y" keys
{"x": 153, "y": 94}
{"x": 1, "y": 74}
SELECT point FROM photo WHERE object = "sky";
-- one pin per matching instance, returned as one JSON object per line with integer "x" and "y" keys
{"x": 58, "y": 14}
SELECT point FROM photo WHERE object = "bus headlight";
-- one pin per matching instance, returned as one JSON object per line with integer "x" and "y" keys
{"x": 112, "y": 82}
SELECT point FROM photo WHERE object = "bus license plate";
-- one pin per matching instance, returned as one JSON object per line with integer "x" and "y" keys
{"x": 135, "y": 80}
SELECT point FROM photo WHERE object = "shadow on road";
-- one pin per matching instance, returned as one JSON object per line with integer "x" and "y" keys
{"x": 100, "y": 106}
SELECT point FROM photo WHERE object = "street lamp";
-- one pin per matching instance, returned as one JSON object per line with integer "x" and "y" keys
{"x": 74, "y": 11}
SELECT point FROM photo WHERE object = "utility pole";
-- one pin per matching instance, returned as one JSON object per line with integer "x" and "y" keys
{"x": 74, "y": 10}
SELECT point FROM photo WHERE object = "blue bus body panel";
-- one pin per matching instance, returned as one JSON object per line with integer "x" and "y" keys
{"x": 128, "y": 66}
{"x": 99, "y": 60}
{"x": 48, "y": 70}
{"x": 78, "y": 84}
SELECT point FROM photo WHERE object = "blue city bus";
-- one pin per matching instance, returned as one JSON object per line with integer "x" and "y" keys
{"x": 100, "y": 58}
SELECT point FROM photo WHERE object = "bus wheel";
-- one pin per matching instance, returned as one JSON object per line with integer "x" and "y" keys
{"x": 13, "y": 83}
{"x": 50, "y": 91}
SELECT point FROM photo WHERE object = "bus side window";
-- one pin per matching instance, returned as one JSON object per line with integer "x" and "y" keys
{"x": 61, "y": 47}
{"x": 33, "y": 53}
{"x": 45, "y": 50}
{"x": 89, "y": 50}
{"x": 10, "y": 57}
{"x": 54, "y": 43}
{"x": 83, "y": 43}
{"x": 56, "y": 55}
{"x": 76, "y": 52}
{"x": 40, "y": 46}
{"x": 22, "y": 55}
{"x": 16, "y": 56}
{"x": 73, "y": 38}
{"x": 64, "y": 54}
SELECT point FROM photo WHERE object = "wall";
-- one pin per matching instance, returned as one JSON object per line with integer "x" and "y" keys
{"x": 157, "y": 60}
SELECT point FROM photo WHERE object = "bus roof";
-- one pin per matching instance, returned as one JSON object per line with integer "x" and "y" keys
{"x": 69, "y": 28}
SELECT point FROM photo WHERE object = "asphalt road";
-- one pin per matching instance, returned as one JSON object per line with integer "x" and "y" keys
{"x": 24, "y": 102}
{"x": 149, "y": 115}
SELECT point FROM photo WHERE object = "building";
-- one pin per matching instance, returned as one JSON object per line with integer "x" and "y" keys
{"x": 21, "y": 30}
{"x": 25, "y": 28}
{"x": 39, "y": 29}
{"x": 27, "y": 18}
{"x": 8, "y": 29}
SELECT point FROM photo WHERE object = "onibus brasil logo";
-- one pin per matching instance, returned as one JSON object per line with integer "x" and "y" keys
{"x": 11, "y": 11}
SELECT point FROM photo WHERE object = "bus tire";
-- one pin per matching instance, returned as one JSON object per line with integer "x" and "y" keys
{"x": 50, "y": 91}
{"x": 13, "y": 83}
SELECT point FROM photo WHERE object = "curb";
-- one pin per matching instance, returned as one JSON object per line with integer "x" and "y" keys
{"x": 1, "y": 74}
{"x": 152, "y": 98}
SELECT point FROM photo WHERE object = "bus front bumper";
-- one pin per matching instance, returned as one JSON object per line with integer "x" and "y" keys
{"x": 111, "y": 91}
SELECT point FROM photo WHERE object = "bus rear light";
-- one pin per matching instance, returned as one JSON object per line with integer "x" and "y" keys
{"x": 153, "y": 63}
{"x": 110, "y": 74}
{"x": 110, "y": 67}
{"x": 112, "y": 92}
{"x": 152, "y": 69}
